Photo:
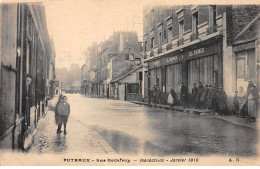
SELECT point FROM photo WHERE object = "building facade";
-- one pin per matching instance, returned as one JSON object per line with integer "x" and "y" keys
{"x": 191, "y": 44}
{"x": 27, "y": 68}
{"x": 100, "y": 65}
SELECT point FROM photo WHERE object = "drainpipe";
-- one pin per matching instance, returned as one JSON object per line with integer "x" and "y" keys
{"x": 149, "y": 91}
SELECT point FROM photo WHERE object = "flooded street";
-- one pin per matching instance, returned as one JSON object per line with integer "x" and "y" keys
{"x": 101, "y": 126}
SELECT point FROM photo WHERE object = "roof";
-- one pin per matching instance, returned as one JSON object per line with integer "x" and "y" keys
{"x": 247, "y": 27}
{"x": 126, "y": 74}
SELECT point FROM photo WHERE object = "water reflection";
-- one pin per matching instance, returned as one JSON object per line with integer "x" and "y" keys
{"x": 59, "y": 143}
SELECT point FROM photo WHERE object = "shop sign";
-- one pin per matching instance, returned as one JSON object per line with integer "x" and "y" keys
{"x": 196, "y": 52}
{"x": 201, "y": 51}
{"x": 170, "y": 60}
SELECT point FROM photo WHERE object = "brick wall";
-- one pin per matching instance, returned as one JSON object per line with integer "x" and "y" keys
{"x": 203, "y": 14}
{"x": 187, "y": 18}
{"x": 242, "y": 15}
{"x": 175, "y": 27}
{"x": 229, "y": 22}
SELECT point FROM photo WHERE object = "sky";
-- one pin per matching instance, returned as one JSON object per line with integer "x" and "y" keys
{"x": 75, "y": 25}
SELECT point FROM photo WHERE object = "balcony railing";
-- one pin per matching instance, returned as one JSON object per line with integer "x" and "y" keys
{"x": 193, "y": 36}
{"x": 169, "y": 46}
{"x": 180, "y": 42}
{"x": 212, "y": 29}
{"x": 159, "y": 50}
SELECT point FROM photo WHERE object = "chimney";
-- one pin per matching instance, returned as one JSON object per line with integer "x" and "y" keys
{"x": 121, "y": 42}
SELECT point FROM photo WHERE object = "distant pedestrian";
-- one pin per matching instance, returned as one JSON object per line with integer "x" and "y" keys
{"x": 203, "y": 98}
{"x": 236, "y": 104}
{"x": 210, "y": 96}
{"x": 62, "y": 112}
{"x": 194, "y": 93}
{"x": 252, "y": 96}
{"x": 198, "y": 97}
{"x": 171, "y": 98}
{"x": 184, "y": 95}
{"x": 242, "y": 97}
{"x": 222, "y": 102}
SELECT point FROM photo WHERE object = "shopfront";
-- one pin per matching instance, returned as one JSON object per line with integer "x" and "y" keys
{"x": 173, "y": 72}
{"x": 202, "y": 62}
{"x": 246, "y": 67}
{"x": 155, "y": 74}
{"x": 204, "y": 65}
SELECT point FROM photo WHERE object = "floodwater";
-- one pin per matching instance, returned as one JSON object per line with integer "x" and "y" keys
{"x": 98, "y": 125}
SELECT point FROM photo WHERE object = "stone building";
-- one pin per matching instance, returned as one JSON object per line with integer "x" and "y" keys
{"x": 191, "y": 44}
{"x": 27, "y": 69}
{"x": 100, "y": 60}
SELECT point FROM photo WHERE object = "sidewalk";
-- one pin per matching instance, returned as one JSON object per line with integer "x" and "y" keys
{"x": 80, "y": 137}
{"x": 206, "y": 113}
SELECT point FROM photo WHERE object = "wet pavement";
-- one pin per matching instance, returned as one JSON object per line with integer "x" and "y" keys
{"x": 99, "y": 126}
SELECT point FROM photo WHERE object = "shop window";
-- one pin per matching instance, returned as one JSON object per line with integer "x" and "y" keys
{"x": 173, "y": 77}
{"x": 132, "y": 87}
{"x": 202, "y": 70}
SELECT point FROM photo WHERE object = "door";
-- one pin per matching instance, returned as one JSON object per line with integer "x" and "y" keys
{"x": 121, "y": 92}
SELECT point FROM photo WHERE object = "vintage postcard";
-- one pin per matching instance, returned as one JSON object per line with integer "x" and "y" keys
{"x": 129, "y": 83}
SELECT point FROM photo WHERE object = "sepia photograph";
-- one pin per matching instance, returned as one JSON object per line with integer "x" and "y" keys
{"x": 129, "y": 83}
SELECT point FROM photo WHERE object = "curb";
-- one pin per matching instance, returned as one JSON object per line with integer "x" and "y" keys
{"x": 207, "y": 113}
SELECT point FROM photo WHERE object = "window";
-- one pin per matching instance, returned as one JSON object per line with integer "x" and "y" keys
{"x": 170, "y": 34}
{"x": 164, "y": 34}
{"x": 212, "y": 15}
{"x": 152, "y": 42}
{"x": 127, "y": 57}
{"x": 181, "y": 29}
{"x": 145, "y": 46}
{"x": 195, "y": 22}
{"x": 160, "y": 39}
{"x": 132, "y": 87}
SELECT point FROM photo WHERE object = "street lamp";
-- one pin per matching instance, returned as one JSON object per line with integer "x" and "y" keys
{"x": 149, "y": 90}
{"x": 146, "y": 66}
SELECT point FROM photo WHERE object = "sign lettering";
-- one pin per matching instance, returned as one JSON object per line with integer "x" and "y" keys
{"x": 196, "y": 52}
